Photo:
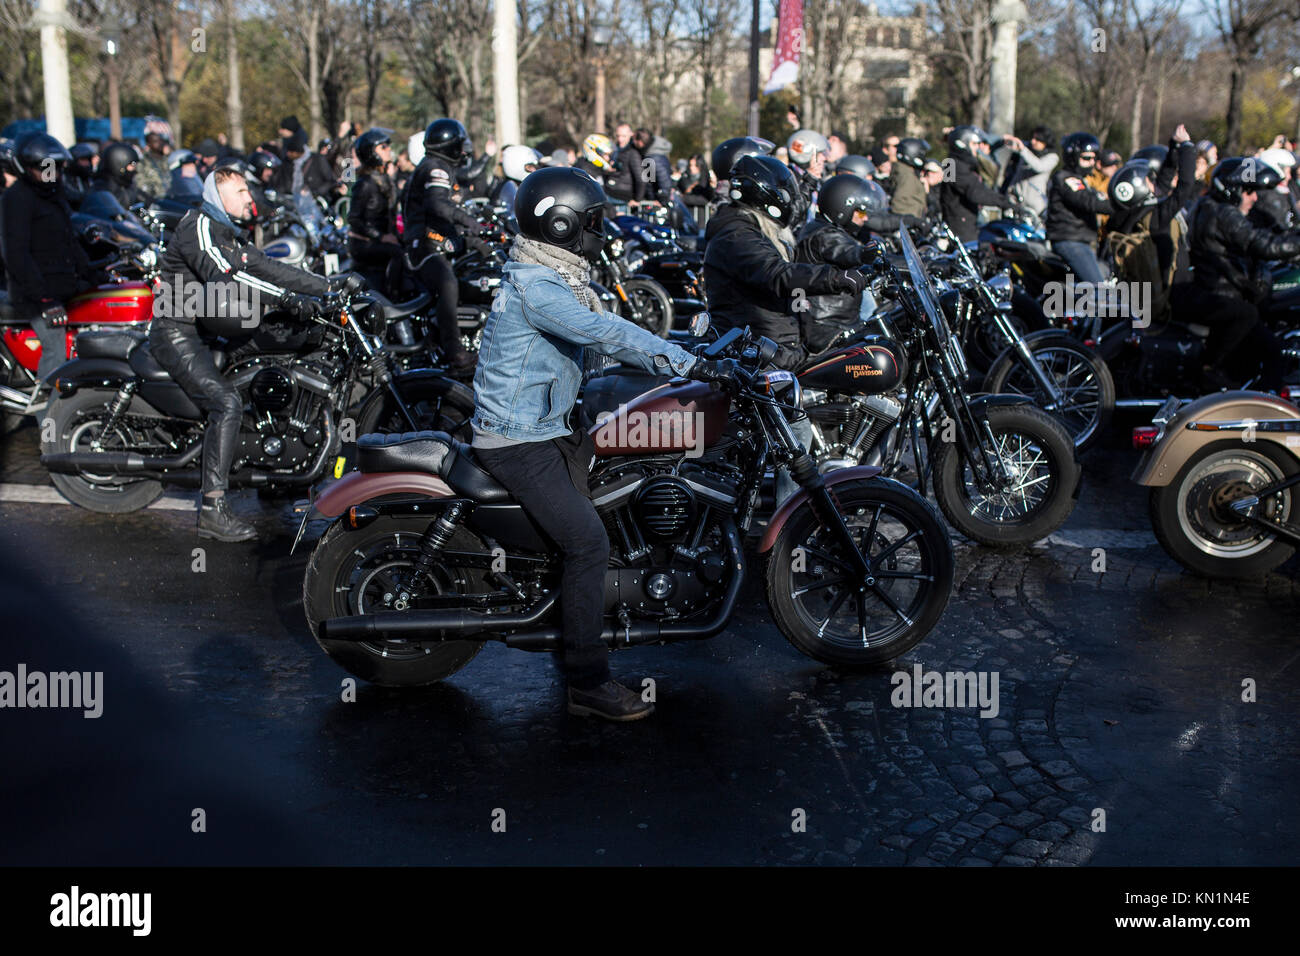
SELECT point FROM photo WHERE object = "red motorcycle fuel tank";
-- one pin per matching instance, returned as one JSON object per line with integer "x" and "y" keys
{"x": 679, "y": 416}
{"x": 127, "y": 303}
{"x": 868, "y": 368}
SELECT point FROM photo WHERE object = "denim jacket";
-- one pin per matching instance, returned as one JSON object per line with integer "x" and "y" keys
{"x": 530, "y": 359}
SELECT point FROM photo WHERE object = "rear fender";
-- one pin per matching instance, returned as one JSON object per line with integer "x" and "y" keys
{"x": 978, "y": 405}
{"x": 795, "y": 501}
{"x": 87, "y": 372}
{"x": 1166, "y": 458}
{"x": 357, "y": 487}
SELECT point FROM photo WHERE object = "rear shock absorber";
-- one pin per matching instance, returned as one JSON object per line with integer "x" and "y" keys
{"x": 115, "y": 409}
{"x": 438, "y": 534}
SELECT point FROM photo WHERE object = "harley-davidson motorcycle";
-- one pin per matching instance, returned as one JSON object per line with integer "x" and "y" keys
{"x": 122, "y": 427}
{"x": 1224, "y": 474}
{"x": 428, "y": 556}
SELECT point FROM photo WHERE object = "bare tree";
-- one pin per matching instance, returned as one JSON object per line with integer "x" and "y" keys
{"x": 1146, "y": 27}
{"x": 448, "y": 45}
{"x": 713, "y": 27}
{"x": 1242, "y": 25}
{"x": 964, "y": 33}
{"x": 832, "y": 37}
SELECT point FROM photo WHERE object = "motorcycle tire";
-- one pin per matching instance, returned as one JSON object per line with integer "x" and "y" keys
{"x": 73, "y": 418}
{"x": 1073, "y": 364}
{"x": 438, "y": 404}
{"x": 649, "y": 305}
{"x": 881, "y": 513}
{"x": 350, "y": 572}
{"x": 1028, "y": 437}
{"x": 1187, "y": 512}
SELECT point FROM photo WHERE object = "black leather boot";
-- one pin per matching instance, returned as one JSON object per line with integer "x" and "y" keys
{"x": 217, "y": 521}
{"x": 611, "y": 700}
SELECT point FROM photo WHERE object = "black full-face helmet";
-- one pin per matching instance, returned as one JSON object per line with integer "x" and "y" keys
{"x": 562, "y": 206}
{"x": 118, "y": 163}
{"x": 728, "y": 151}
{"x": 448, "y": 139}
{"x": 260, "y": 162}
{"x": 1241, "y": 174}
{"x": 42, "y": 160}
{"x": 842, "y": 195}
{"x": 767, "y": 185}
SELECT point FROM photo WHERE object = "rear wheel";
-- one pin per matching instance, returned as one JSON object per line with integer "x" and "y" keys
{"x": 436, "y": 404}
{"x": 78, "y": 422}
{"x": 649, "y": 305}
{"x": 1035, "y": 498}
{"x": 815, "y": 599}
{"x": 1193, "y": 520}
{"x": 373, "y": 569}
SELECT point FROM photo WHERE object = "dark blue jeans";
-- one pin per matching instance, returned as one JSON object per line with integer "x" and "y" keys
{"x": 1082, "y": 259}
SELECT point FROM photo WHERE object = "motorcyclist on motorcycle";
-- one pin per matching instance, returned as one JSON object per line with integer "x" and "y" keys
{"x": 80, "y": 172}
{"x": 1228, "y": 256}
{"x": 436, "y": 226}
{"x": 209, "y": 247}
{"x": 843, "y": 205}
{"x": 263, "y": 167}
{"x": 372, "y": 233}
{"x": 751, "y": 277}
{"x": 516, "y": 163}
{"x": 116, "y": 174}
{"x": 963, "y": 191}
{"x": 807, "y": 150}
{"x": 525, "y": 387}
{"x": 1073, "y": 206}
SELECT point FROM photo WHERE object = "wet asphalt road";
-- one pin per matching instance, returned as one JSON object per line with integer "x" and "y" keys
{"x": 1119, "y": 692}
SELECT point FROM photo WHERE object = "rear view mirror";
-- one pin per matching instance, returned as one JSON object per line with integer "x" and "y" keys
{"x": 699, "y": 324}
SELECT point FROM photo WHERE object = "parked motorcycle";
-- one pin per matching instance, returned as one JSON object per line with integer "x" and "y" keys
{"x": 404, "y": 591}
{"x": 1224, "y": 474}
{"x": 122, "y": 427}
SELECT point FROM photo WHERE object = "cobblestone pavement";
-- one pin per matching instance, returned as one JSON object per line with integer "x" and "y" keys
{"x": 1120, "y": 702}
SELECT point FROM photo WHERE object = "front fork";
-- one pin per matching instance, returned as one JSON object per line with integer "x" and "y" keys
{"x": 1045, "y": 382}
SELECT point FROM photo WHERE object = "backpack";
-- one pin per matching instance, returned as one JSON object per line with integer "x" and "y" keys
{"x": 1136, "y": 259}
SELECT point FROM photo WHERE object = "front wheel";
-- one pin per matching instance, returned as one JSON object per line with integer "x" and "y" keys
{"x": 827, "y": 614}
{"x": 1032, "y": 496}
{"x": 78, "y": 424}
{"x": 373, "y": 569}
{"x": 1087, "y": 390}
{"x": 1193, "y": 520}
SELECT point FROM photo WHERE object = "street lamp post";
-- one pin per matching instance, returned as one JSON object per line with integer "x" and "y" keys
{"x": 601, "y": 36}
{"x": 111, "y": 34}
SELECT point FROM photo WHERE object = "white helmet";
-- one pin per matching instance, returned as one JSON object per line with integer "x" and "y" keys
{"x": 1280, "y": 159}
{"x": 515, "y": 161}
{"x": 804, "y": 145}
{"x": 415, "y": 148}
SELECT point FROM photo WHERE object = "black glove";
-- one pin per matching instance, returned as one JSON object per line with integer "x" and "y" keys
{"x": 710, "y": 370}
{"x": 303, "y": 306}
{"x": 55, "y": 315}
{"x": 851, "y": 282}
{"x": 349, "y": 282}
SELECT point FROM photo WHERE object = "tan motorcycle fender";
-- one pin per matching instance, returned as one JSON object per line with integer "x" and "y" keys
{"x": 1162, "y": 462}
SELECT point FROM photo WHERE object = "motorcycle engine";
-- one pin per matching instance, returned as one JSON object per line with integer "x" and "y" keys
{"x": 665, "y": 531}
{"x": 289, "y": 420}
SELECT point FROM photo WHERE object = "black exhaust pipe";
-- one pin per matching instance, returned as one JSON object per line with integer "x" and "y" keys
{"x": 458, "y": 622}
{"x": 115, "y": 462}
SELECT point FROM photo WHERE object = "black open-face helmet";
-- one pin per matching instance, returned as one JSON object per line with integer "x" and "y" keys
{"x": 912, "y": 150}
{"x": 965, "y": 139}
{"x": 1130, "y": 187}
{"x": 259, "y": 161}
{"x": 368, "y": 143}
{"x": 767, "y": 185}
{"x": 857, "y": 166}
{"x": 842, "y": 195}
{"x": 728, "y": 151}
{"x": 1075, "y": 145}
{"x": 1156, "y": 156}
{"x": 562, "y": 206}
{"x": 1241, "y": 174}
{"x": 448, "y": 139}
{"x": 118, "y": 163}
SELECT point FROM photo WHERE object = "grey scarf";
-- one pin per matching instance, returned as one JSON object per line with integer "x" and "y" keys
{"x": 572, "y": 268}
{"x": 775, "y": 233}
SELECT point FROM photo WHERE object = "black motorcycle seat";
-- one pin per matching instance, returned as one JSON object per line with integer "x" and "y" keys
{"x": 467, "y": 477}
{"x": 400, "y": 310}
{"x": 145, "y": 366}
{"x": 433, "y": 453}
{"x": 108, "y": 343}
{"x": 410, "y": 451}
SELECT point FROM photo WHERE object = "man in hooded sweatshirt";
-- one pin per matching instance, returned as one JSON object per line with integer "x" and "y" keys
{"x": 211, "y": 248}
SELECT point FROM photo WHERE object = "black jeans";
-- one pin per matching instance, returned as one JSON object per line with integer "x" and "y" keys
{"x": 437, "y": 275}
{"x": 537, "y": 474}
{"x": 177, "y": 347}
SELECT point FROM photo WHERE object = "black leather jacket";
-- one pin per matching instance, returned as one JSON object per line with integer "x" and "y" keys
{"x": 1072, "y": 208}
{"x": 961, "y": 199}
{"x": 431, "y": 204}
{"x": 748, "y": 283}
{"x": 43, "y": 257}
{"x": 370, "y": 216}
{"x": 1227, "y": 251}
{"x": 823, "y": 243}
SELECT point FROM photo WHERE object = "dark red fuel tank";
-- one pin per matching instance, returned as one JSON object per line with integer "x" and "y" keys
{"x": 867, "y": 368}
{"x": 679, "y": 416}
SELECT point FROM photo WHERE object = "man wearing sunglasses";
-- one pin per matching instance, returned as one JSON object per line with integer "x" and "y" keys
{"x": 1073, "y": 207}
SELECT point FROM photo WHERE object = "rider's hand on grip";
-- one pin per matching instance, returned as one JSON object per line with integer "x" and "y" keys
{"x": 852, "y": 281}
{"x": 712, "y": 370}
{"x": 303, "y": 306}
{"x": 349, "y": 282}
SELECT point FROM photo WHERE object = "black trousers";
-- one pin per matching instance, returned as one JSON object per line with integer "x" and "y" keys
{"x": 437, "y": 275}
{"x": 372, "y": 260}
{"x": 177, "y": 347}
{"x": 538, "y": 475}
{"x": 1239, "y": 342}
